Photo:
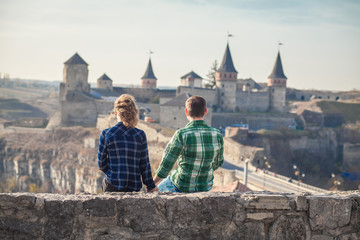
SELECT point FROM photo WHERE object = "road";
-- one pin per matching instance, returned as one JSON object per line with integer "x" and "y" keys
{"x": 268, "y": 182}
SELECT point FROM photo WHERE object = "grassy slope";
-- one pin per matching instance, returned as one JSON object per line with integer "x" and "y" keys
{"x": 351, "y": 111}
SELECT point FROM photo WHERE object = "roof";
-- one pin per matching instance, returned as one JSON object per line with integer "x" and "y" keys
{"x": 104, "y": 77}
{"x": 227, "y": 64}
{"x": 256, "y": 85}
{"x": 103, "y": 92}
{"x": 277, "y": 71}
{"x": 191, "y": 75}
{"x": 149, "y": 73}
{"x": 76, "y": 59}
{"x": 178, "y": 100}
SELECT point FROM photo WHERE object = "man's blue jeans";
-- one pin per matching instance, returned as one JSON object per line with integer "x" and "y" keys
{"x": 167, "y": 185}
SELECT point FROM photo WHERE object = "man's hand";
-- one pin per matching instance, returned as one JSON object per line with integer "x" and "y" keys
{"x": 155, "y": 189}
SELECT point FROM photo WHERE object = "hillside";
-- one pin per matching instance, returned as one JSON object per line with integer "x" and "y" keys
{"x": 351, "y": 111}
{"x": 14, "y": 109}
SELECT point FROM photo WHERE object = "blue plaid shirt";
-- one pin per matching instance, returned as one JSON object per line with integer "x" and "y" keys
{"x": 123, "y": 157}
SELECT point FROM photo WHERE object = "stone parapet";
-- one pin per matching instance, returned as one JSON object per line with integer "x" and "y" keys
{"x": 259, "y": 215}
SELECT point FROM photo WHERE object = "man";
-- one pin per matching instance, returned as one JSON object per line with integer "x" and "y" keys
{"x": 197, "y": 149}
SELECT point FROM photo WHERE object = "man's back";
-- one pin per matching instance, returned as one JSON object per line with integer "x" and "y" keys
{"x": 198, "y": 150}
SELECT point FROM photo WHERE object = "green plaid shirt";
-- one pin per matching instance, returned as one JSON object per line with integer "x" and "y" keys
{"x": 198, "y": 150}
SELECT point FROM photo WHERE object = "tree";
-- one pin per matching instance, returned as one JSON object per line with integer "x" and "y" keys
{"x": 211, "y": 75}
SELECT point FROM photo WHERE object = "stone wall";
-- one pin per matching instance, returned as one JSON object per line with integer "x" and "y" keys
{"x": 180, "y": 216}
{"x": 254, "y": 121}
{"x": 209, "y": 94}
{"x": 252, "y": 101}
{"x": 306, "y": 95}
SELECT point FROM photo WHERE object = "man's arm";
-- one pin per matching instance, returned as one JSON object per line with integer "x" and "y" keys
{"x": 171, "y": 154}
{"x": 103, "y": 156}
{"x": 219, "y": 159}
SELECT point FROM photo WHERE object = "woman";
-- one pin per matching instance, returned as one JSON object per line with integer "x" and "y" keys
{"x": 123, "y": 153}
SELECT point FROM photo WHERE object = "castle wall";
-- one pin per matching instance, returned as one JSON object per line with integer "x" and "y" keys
{"x": 78, "y": 113}
{"x": 249, "y": 215}
{"x": 306, "y": 95}
{"x": 174, "y": 117}
{"x": 254, "y": 121}
{"x": 141, "y": 94}
{"x": 252, "y": 101}
{"x": 209, "y": 94}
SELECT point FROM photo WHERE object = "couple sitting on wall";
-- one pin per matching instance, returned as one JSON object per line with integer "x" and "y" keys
{"x": 123, "y": 154}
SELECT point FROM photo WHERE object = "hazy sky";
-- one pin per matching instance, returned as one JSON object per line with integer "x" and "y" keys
{"x": 321, "y": 39}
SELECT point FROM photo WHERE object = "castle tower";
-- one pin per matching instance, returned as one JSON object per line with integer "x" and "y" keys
{"x": 104, "y": 82}
{"x": 77, "y": 106}
{"x": 277, "y": 87}
{"x": 75, "y": 74}
{"x": 149, "y": 79}
{"x": 191, "y": 79}
{"x": 226, "y": 77}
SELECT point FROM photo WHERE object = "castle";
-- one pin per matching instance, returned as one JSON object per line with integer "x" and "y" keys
{"x": 81, "y": 105}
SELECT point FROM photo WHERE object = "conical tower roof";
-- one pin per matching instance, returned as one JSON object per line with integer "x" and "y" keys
{"x": 104, "y": 77}
{"x": 227, "y": 64}
{"x": 149, "y": 73}
{"x": 277, "y": 71}
{"x": 76, "y": 59}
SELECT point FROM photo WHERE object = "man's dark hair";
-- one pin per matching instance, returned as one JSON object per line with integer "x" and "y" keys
{"x": 196, "y": 106}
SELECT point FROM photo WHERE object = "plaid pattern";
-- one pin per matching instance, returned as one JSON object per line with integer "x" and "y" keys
{"x": 123, "y": 157}
{"x": 198, "y": 150}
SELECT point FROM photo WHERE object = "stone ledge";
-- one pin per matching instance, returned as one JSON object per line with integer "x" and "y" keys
{"x": 179, "y": 216}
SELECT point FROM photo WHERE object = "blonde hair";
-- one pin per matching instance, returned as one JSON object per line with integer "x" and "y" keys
{"x": 127, "y": 110}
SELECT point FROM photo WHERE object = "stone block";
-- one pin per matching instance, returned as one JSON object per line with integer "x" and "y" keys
{"x": 260, "y": 215}
{"x": 328, "y": 212}
{"x": 301, "y": 203}
{"x": 141, "y": 214}
{"x": 270, "y": 202}
{"x": 350, "y": 236}
{"x": 321, "y": 237}
{"x": 60, "y": 216}
{"x": 254, "y": 231}
{"x": 100, "y": 207}
{"x": 285, "y": 228}
{"x": 19, "y": 229}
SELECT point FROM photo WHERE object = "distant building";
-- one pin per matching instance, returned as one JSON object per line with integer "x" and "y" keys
{"x": 277, "y": 87}
{"x": 191, "y": 79}
{"x": 104, "y": 82}
{"x": 149, "y": 79}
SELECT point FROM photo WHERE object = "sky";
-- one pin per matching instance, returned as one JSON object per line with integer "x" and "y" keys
{"x": 321, "y": 39}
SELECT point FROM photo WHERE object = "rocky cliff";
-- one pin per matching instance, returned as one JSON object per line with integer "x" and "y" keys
{"x": 50, "y": 161}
